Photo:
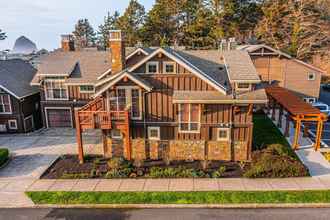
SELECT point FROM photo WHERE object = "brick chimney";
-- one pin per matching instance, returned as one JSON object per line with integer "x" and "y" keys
{"x": 67, "y": 42}
{"x": 117, "y": 48}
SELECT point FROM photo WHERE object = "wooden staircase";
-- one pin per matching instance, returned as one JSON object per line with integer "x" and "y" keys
{"x": 95, "y": 116}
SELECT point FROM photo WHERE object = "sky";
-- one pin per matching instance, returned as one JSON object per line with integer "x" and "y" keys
{"x": 43, "y": 21}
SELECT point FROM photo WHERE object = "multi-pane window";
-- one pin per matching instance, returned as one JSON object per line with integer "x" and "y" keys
{"x": 5, "y": 104}
{"x": 152, "y": 67}
{"x": 56, "y": 90}
{"x": 189, "y": 118}
{"x": 127, "y": 99}
{"x": 86, "y": 89}
{"x": 154, "y": 133}
{"x": 223, "y": 134}
{"x": 169, "y": 67}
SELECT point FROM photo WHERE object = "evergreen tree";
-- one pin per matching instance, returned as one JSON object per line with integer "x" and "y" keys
{"x": 2, "y": 35}
{"x": 110, "y": 23}
{"x": 131, "y": 22}
{"x": 161, "y": 25}
{"x": 84, "y": 33}
{"x": 297, "y": 27}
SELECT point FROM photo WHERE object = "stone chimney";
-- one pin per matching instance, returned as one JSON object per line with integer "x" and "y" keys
{"x": 117, "y": 48}
{"x": 67, "y": 43}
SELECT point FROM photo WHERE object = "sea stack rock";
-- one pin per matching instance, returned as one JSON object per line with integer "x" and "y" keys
{"x": 23, "y": 45}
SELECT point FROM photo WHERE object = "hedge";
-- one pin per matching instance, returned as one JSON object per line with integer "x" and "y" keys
{"x": 4, "y": 155}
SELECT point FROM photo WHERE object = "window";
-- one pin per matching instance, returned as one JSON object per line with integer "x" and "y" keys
{"x": 311, "y": 76}
{"x": 243, "y": 86}
{"x": 154, "y": 133}
{"x": 152, "y": 67}
{"x": 86, "y": 89}
{"x": 116, "y": 134}
{"x": 5, "y": 107}
{"x": 12, "y": 124}
{"x": 310, "y": 100}
{"x": 3, "y": 128}
{"x": 169, "y": 67}
{"x": 56, "y": 90}
{"x": 127, "y": 98}
{"x": 223, "y": 134}
{"x": 189, "y": 118}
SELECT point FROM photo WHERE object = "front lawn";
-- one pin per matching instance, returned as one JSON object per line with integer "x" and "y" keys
{"x": 222, "y": 197}
{"x": 272, "y": 156}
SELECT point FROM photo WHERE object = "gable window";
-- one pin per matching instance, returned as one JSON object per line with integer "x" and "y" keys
{"x": 311, "y": 76}
{"x": 243, "y": 86}
{"x": 12, "y": 124}
{"x": 169, "y": 68}
{"x": 56, "y": 90}
{"x": 223, "y": 134}
{"x": 154, "y": 133}
{"x": 5, "y": 106}
{"x": 189, "y": 118}
{"x": 86, "y": 89}
{"x": 152, "y": 67}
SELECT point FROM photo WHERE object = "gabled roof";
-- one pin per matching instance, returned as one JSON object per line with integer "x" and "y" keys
{"x": 118, "y": 77}
{"x": 176, "y": 56}
{"x": 252, "y": 48}
{"x": 240, "y": 67}
{"x": 145, "y": 50}
{"x": 15, "y": 77}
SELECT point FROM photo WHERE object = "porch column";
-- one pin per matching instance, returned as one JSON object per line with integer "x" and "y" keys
{"x": 297, "y": 133}
{"x": 105, "y": 142}
{"x": 273, "y": 111}
{"x": 127, "y": 137}
{"x": 318, "y": 135}
{"x": 279, "y": 122}
{"x": 79, "y": 139}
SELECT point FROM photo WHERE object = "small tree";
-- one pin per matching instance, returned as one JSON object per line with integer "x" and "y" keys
{"x": 110, "y": 23}
{"x": 84, "y": 33}
{"x": 2, "y": 35}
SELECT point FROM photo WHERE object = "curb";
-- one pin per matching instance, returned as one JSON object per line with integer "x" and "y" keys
{"x": 182, "y": 206}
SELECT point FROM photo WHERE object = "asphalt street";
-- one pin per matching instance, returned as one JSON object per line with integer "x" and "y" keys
{"x": 166, "y": 214}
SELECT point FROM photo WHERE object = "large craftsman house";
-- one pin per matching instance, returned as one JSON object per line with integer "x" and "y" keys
{"x": 153, "y": 102}
{"x": 19, "y": 101}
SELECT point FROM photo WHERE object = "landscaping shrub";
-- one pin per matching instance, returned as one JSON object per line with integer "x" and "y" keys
{"x": 275, "y": 161}
{"x": 177, "y": 172}
{"x": 219, "y": 173}
{"x": 4, "y": 155}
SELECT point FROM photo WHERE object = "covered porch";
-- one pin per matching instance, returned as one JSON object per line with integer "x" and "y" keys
{"x": 286, "y": 108}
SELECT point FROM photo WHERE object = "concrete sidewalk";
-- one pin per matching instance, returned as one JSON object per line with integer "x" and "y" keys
{"x": 159, "y": 185}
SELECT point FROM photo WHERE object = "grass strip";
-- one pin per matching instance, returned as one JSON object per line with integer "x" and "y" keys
{"x": 220, "y": 197}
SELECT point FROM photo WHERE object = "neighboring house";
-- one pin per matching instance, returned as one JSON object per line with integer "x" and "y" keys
{"x": 19, "y": 101}
{"x": 154, "y": 102}
{"x": 276, "y": 67}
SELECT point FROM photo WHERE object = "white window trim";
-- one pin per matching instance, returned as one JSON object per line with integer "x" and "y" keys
{"x": 128, "y": 93}
{"x": 189, "y": 120}
{"x": 152, "y": 63}
{"x": 228, "y": 134}
{"x": 149, "y": 133}
{"x": 243, "y": 89}
{"x": 169, "y": 63}
{"x": 310, "y": 100}
{"x": 116, "y": 137}
{"x": 53, "y": 99}
{"x": 10, "y": 109}
{"x": 314, "y": 76}
{"x": 12, "y": 127}
{"x": 86, "y": 92}
{"x": 53, "y": 108}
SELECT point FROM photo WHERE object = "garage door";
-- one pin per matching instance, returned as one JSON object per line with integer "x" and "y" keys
{"x": 58, "y": 118}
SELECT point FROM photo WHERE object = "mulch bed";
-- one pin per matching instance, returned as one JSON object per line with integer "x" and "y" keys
{"x": 67, "y": 166}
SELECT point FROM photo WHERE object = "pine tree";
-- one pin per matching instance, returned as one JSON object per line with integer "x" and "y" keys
{"x": 131, "y": 22}
{"x": 296, "y": 27}
{"x": 2, "y": 35}
{"x": 84, "y": 33}
{"x": 110, "y": 23}
{"x": 161, "y": 25}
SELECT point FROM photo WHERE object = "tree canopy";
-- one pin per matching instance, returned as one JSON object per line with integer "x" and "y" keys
{"x": 300, "y": 28}
{"x": 84, "y": 33}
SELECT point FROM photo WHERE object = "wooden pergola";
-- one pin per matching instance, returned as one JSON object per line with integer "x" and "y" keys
{"x": 297, "y": 111}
